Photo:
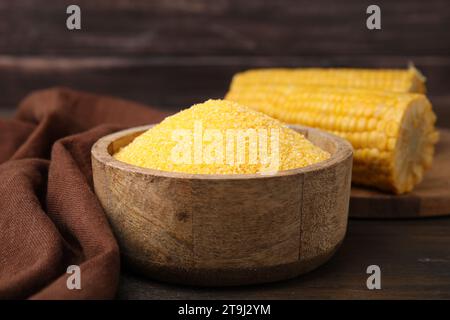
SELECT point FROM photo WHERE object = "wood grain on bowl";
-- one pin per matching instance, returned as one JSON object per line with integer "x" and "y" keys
{"x": 225, "y": 229}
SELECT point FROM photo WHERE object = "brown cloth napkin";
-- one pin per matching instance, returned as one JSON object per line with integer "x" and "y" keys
{"x": 50, "y": 217}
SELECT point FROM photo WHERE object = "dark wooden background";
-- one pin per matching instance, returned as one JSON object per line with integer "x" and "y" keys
{"x": 172, "y": 53}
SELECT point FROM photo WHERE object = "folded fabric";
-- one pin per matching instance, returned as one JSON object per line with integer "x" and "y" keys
{"x": 50, "y": 217}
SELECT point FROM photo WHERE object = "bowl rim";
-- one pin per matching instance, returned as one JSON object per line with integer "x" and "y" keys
{"x": 100, "y": 152}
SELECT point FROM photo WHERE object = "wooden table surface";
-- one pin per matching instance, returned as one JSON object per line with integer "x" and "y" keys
{"x": 414, "y": 257}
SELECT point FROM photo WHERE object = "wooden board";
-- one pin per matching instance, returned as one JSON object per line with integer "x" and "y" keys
{"x": 178, "y": 82}
{"x": 225, "y": 27}
{"x": 430, "y": 198}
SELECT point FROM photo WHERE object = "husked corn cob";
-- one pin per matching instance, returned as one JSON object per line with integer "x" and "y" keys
{"x": 393, "y": 134}
{"x": 396, "y": 80}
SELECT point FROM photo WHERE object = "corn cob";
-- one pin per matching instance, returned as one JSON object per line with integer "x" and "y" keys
{"x": 393, "y": 134}
{"x": 396, "y": 80}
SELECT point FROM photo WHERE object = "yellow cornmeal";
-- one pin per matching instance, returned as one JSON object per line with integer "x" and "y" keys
{"x": 155, "y": 147}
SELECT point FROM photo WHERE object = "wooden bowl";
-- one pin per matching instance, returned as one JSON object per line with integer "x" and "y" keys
{"x": 215, "y": 230}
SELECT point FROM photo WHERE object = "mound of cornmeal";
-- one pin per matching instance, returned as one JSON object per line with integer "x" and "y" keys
{"x": 221, "y": 137}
